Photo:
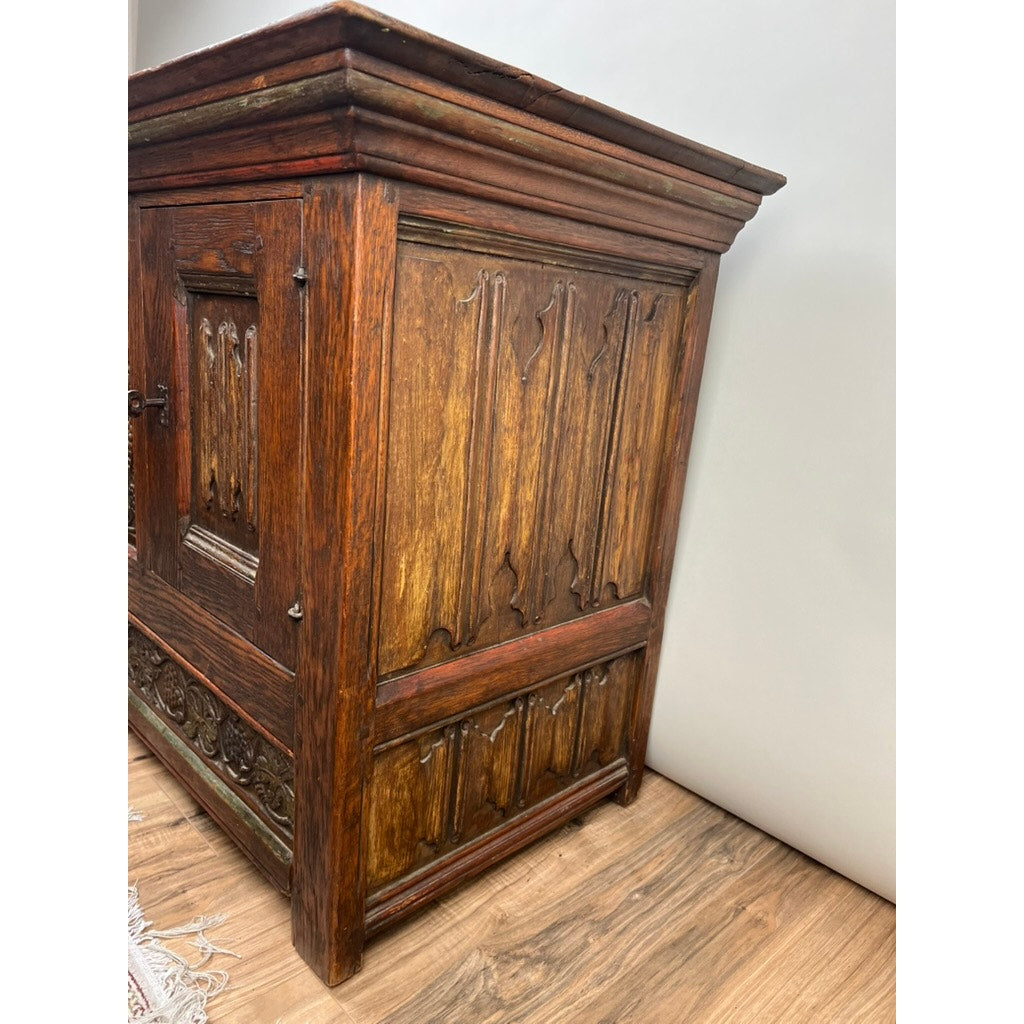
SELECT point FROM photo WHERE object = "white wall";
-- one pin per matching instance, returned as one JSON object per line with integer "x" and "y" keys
{"x": 776, "y": 689}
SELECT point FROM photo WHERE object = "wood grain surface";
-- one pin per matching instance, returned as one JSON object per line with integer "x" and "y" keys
{"x": 665, "y": 911}
{"x": 528, "y": 413}
{"x": 359, "y": 29}
{"x": 346, "y": 88}
{"x": 408, "y": 511}
{"x": 349, "y": 222}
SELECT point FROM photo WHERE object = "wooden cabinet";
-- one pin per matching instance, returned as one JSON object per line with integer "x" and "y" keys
{"x": 423, "y": 337}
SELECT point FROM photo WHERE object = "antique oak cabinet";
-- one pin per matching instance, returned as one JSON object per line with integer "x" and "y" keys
{"x": 415, "y": 346}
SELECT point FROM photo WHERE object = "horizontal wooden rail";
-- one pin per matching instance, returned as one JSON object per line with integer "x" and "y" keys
{"x": 424, "y": 697}
{"x": 257, "y": 687}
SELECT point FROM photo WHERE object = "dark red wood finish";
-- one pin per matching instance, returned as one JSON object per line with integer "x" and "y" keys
{"x": 432, "y": 332}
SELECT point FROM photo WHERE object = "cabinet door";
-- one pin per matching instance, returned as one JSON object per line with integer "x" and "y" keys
{"x": 216, "y": 469}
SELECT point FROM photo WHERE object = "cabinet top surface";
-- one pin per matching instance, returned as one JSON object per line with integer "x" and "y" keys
{"x": 324, "y": 53}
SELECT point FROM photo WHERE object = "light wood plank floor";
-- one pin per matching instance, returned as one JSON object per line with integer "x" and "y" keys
{"x": 665, "y": 912}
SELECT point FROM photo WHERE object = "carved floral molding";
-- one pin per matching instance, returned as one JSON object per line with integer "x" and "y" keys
{"x": 226, "y": 743}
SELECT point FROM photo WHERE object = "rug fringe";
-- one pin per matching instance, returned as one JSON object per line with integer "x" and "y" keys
{"x": 184, "y": 987}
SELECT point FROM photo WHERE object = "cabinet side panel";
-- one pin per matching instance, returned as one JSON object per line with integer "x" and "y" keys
{"x": 527, "y": 414}
{"x": 435, "y": 795}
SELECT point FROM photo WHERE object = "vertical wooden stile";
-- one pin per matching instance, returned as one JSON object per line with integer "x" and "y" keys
{"x": 683, "y": 406}
{"x": 350, "y": 232}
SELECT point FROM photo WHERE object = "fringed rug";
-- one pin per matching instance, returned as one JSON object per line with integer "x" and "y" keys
{"x": 163, "y": 987}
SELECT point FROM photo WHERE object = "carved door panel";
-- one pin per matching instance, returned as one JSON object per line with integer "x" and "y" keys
{"x": 217, "y": 469}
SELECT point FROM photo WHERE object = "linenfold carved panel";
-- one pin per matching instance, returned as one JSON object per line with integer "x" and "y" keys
{"x": 409, "y": 811}
{"x": 525, "y": 449}
{"x": 435, "y": 792}
{"x": 490, "y": 743}
{"x": 239, "y": 754}
{"x": 225, "y": 361}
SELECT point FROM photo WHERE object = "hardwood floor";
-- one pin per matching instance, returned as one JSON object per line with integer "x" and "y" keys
{"x": 668, "y": 911}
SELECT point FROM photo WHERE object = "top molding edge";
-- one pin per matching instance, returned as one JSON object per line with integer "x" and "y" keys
{"x": 345, "y": 25}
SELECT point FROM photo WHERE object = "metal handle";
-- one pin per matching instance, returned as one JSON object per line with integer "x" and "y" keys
{"x": 138, "y": 403}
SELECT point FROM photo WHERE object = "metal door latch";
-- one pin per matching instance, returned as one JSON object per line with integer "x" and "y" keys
{"x": 138, "y": 403}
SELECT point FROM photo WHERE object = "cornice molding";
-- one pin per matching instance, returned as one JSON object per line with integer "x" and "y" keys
{"x": 346, "y": 89}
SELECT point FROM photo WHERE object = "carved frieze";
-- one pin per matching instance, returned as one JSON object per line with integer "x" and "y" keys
{"x": 261, "y": 772}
